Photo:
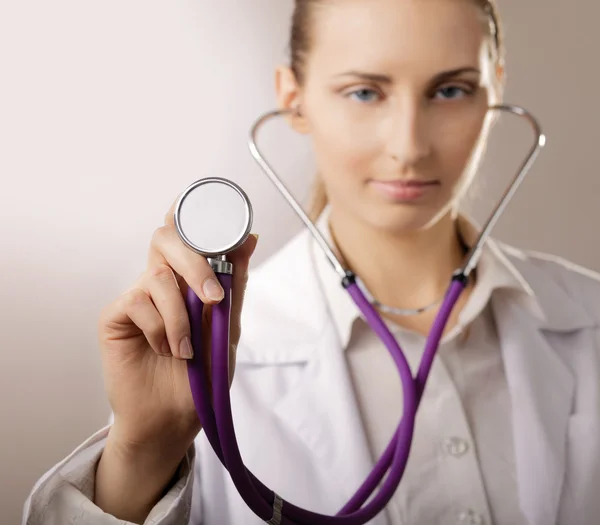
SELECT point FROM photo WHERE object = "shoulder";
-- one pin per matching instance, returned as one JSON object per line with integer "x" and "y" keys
{"x": 546, "y": 271}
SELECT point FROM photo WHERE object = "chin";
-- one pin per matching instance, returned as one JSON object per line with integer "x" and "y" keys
{"x": 402, "y": 219}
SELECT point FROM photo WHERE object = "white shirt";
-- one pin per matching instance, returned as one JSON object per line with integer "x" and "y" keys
{"x": 462, "y": 462}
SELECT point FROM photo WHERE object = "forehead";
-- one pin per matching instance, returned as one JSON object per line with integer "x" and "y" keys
{"x": 418, "y": 34}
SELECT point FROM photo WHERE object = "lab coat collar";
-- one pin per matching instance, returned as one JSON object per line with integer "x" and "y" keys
{"x": 556, "y": 310}
{"x": 494, "y": 272}
{"x": 289, "y": 294}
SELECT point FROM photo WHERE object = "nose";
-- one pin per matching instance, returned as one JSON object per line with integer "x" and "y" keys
{"x": 409, "y": 140}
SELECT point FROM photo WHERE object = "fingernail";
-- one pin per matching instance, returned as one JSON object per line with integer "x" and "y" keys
{"x": 255, "y": 235}
{"x": 165, "y": 348}
{"x": 185, "y": 348}
{"x": 212, "y": 289}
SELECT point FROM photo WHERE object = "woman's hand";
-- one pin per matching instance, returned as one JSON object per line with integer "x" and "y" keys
{"x": 145, "y": 344}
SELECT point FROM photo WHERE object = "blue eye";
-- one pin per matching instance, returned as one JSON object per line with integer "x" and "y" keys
{"x": 365, "y": 95}
{"x": 451, "y": 92}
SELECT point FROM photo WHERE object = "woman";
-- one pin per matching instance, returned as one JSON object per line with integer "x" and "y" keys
{"x": 394, "y": 94}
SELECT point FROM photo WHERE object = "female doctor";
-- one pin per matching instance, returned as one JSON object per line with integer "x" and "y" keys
{"x": 394, "y": 95}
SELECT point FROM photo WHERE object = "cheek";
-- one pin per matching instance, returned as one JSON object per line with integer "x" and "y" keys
{"x": 345, "y": 149}
{"x": 456, "y": 137}
{"x": 344, "y": 153}
{"x": 342, "y": 167}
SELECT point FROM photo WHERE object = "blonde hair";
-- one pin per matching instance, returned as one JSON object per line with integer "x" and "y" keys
{"x": 300, "y": 47}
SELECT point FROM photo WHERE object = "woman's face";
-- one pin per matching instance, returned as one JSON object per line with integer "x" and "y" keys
{"x": 395, "y": 97}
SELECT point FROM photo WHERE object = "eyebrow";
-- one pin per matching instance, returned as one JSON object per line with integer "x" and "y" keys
{"x": 385, "y": 79}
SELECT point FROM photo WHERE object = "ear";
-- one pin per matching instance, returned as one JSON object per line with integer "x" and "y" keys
{"x": 500, "y": 81}
{"x": 496, "y": 93}
{"x": 500, "y": 72}
{"x": 289, "y": 97}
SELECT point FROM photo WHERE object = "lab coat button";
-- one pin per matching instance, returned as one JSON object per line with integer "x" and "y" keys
{"x": 470, "y": 517}
{"x": 456, "y": 446}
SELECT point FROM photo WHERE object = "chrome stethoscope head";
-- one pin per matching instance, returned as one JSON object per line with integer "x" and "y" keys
{"x": 475, "y": 250}
{"x": 213, "y": 217}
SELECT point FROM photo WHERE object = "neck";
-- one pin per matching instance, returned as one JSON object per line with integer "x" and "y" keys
{"x": 407, "y": 270}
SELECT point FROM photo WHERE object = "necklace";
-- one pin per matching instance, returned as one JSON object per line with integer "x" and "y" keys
{"x": 406, "y": 312}
{"x": 392, "y": 309}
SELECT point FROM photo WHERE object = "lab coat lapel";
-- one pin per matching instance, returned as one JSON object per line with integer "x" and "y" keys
{"x": 541, "y": 390}
{"x": 541, "y": 386}
{"x": 321, "y": 410}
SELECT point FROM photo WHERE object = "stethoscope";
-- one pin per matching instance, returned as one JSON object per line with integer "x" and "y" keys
{"x": 226, "y": 209}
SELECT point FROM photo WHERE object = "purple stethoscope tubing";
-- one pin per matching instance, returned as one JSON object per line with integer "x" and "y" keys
{"x": 216, "y": 416}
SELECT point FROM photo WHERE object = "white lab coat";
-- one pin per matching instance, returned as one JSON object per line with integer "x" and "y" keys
{"x": 300, "y": 431}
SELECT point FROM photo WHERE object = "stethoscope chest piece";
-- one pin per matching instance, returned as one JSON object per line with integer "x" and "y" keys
{"x": 213, "y": 217}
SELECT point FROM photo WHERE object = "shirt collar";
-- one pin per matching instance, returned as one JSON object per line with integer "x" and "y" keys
{"x": 494, "y": 272}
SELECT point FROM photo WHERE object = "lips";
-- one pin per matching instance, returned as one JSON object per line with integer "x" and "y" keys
{"x": 409, "y": 183}
{"x": 404, "y": 190}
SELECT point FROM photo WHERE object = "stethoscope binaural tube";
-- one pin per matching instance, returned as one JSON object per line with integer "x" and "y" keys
{"x": 216, "y": 416}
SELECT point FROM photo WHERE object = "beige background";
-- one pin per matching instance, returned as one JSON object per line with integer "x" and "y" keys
{"x": 109, "y": 109}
